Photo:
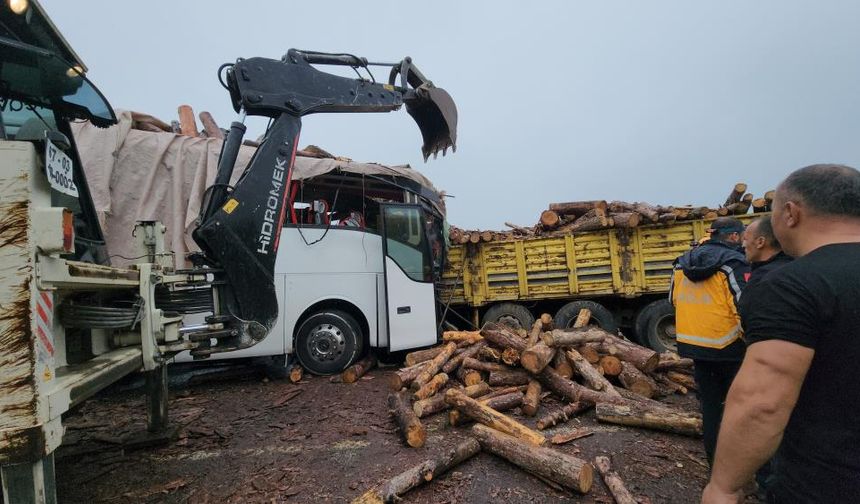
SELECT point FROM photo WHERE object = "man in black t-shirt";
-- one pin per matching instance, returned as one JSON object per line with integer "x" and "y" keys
{"x": 798, "y": 388}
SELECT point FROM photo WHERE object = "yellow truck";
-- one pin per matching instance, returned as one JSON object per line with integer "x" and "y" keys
{"x": 621, "y": 275}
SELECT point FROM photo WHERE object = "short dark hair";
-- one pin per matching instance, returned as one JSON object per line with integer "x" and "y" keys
{"x": 764, "y": 227}
{"x": 827, "y": 189}
{"x": 724, "y": 226}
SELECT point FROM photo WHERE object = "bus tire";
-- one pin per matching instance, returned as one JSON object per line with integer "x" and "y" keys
{"x": 328, "y": 341}
{"x": 512, "y": 314}
{"x": 600, "y": 316}
{"x": 655, "y": 326}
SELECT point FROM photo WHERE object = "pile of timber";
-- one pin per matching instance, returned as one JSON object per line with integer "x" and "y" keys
{"x": 580, "y": 216}
{"x": 498, "y": 380}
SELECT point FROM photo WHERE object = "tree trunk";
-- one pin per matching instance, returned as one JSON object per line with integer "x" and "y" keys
{"x": 588, "y": 223}
{"x": 611, "y": 365}
{"x": 590, "y": 353}
{"x": 500, "y": 403}
{"x": 637, "y": 381}
{"x": 740, "y": 208}
{"x": 577, "y": 208}
{"x": 626, "y": 220}
{"x": 404, "y": 377}
{"x": 531, "y": 401}
{"x": 549, "y": 219}
{"x": 736, "y": 194}
{"x": 503, "y": 337}
{"x": 413, "y": 358}
{"x": 457, "y": 360}
{"x": 590, "y": 375}
{"x": 210, "y": 127}
{"x": 535, "y": 333}
{"x": 357, "y": 370}
{"x": 562, "y": 414}
{"x": 671, "y": 386}
{"x": 490, "y": 354}
{"x": 187, "y": 124}
{"x": 637, "y": 414}
{"x": 475, "y": 237}
{"x": 435, "y": 404}
{"x": 410, "y": 427}
{"x": 613, "y": 481}
{"x": 682, "y": 379}
{"x": 572, "y": 391}
{"x": 511, "y": 356}
{"x": 458, "y": 336}
{"x": 558, "y": 467}
{"x": 759, "y": 205}
{"x": 430, "y": 388}
{"x": 435, "y": 365}
{"x": 296, "y": 373}
{"x": 667, "y": 218}
{"x": 391, "y": 490}
{"x": 537, "y": 357}
{"x": 546, "y": 321}
{"x": 508, "y": 377}
{"x": 671, "y": 360}
{"x": 768, "y": 196}
{"x": 469, "y": 377}
{"x": 573, "y": 337}
{"x": 486, "y": 236}
{"x": 561, "y": 365}
{"x": 643, "y": 358}
{"x": 470, "y": 363}
{"x": 647, "y": 211}
{"x": 492, "y": 418}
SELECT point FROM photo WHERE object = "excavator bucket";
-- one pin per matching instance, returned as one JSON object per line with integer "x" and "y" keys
{"x": 436, "y": 115}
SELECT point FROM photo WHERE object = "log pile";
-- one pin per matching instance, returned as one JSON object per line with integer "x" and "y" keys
{"x": 507, "y": 403}
{"x": 560, "y": 219}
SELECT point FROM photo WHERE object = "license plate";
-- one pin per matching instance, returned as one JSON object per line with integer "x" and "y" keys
{"x": 60, "y": 171}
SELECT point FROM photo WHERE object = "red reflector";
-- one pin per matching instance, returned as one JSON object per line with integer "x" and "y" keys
{"x": 68, "y": 231}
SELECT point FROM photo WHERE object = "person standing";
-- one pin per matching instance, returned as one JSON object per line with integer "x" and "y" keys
{"x": 798, "y": 390}
{"x": 763, "y": 252}
{"x": 705, "y": 289}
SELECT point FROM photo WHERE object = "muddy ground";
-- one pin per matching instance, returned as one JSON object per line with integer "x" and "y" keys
{"x": 244, "y": 437}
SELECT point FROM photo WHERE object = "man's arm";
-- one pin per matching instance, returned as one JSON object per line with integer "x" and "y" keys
{"x": 757, "y": 410}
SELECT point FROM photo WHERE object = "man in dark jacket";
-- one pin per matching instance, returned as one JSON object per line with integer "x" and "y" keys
{"x": 705, "y": 289}
{"x": 762, "y": 250}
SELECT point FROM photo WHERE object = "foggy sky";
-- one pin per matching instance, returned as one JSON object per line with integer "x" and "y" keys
{"x": 669, "y": 102}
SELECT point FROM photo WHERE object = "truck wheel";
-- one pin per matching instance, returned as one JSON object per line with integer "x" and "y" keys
{"x": 600, "y": 316}
{"x": 512, "y": 314}
{"x": 655, "y": 326}
{"x": 329, "y": 341}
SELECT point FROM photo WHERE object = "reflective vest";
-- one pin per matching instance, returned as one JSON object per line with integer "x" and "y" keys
{"x": 706, "y": 313}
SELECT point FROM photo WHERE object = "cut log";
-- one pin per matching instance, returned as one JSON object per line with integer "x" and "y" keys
{"x": 748, "y": 198}
{"x": 768, "y": 196}
{"x": 682, "y": 379}
{"x": 588, "y": 223}
{"x": 500, "y": 403}
{"x": 486, "y": 236}
{"x": 572, "y": 391}
{"x": 296, "y": 373}
{"x": 357, "y": 370}
{"x": 549, "y": 219}
{"x": 186, "y": 121}
{"x": 546, "y": 321}
{"x": 492, "y": 418}
{"x": 404, "y": 377}
{"x": 561, "y": 468}
{"x": 502, "y": 336}
{"x": 573, "y": 337}
{"x": 536, "y": 358}
{"x": 458, "y": 336}
{"x": 567, "y": 437}
{"x": 475, "y": 237}
{"x": 531, "y": 401}
{"x": 736, "y": 194}
{"x": 508, "y": 377}
{"x": 562, "y": 414}
{"x": 469, "y": 377}
{"x": 511, "y": 357}
{"x": 637, "y": 381}
{"x": 411, "y": 429}
{"x": 626, "y": 220}
{"x": 430, "y": 388}
{"x": 457, "y": 360}
{"x": 711, "y": 215}
{"x": 613, "y": 481}
{"x": 636, "y": 414}
{"x": 672, "y": 387}
{"x": 210, "y": 127}
{"x": 435, "y": 404}
{"x": 590, "y": 353}
{"x": 490, "y": 354}
{"x": 520, "y": 229}
{"x": 759, "y": 205}
{"x": 647, "y": 211}
{"x": 561, "y": 365}
{"x": 535, "y": 333}
{"x": 435, "y": 365}
{"x": 417, "y": 356}
{"x": 578, "y": 208}
{"x": 671, "y": 360}
{"x": 391, "y": 490}
{"x": 611, "y": 365}
{"x": 643, "y": 358}
{"x": 667, "y": 218}
{"x": 464, "y": 238}
{"x": 470, "y": 363}
{"x": 590, "y": 375}
{"x": 740, "y": 208}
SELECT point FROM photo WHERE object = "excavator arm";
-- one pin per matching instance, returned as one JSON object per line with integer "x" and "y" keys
{"x": 239, "y": 227}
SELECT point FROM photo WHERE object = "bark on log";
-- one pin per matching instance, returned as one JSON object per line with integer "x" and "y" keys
{"x": 711, "y": 215}
{"x": 567, "y": 437}
{"x": 611, "y": 365}
{"x": 465, "y": 238}
{"x": 573, "y": 337}
{"x": 487, "y": 236}
{"x": 637, "y": 381}
{"x": 748, "y": 198}
{"x": 469, "y": 377}
{"x": 671, "y": 360}
{"x": 588, "y": 223}
{"x": 435, "y": 404}
{"x": 682, "y": 379}
{"x": 417, "y": 356}
{"x": 562, "y": 414}
{"x": 210, "y": 127}
{"x": 590, "y": 353}
{"x": 531, "y": 401}
{"x": 740, "y": 208}
{"x": 626, "y": 220}
{"x": 404, "y": 377}
{"x": 411, "y": 429}
{"x": 457, "y": 360}
{"x": 391, "y": 490}
{"x": 561, "y": 468}
{"x": 768, "y": 196}
{"x": 546, "y": 321}
{"x": 572, "y": 391}
{"x": 435, "y": 365}
{"x": 647, "y": 211}
{"x": 590, "y": 375}
{"x": 577, "y": 208}
{"x": 462, "y": 336}
{"x": 511, "y": 357}
{"x": 636, "y": 414}
{"x": 186, "y": 121}
{"x": 549, "y": 219}
{"x": 475, "y": 237}
{"x": 561, "y": 365}
{"x": 667, "y": 218}
{"x": 536, "y": 358}
{"x": 357, "y": 370}
{"x": 643, "y": 358}
{"x": 296, "y": 373}
{"x": 535, "y": 333}
{"x": 490, "y": 354}
{"x": 508, "y": 377}
{"x": 503, "y": 337}
{"x": 613, "y": 481}
{"x": 672, "y": 387}
{"x": 736, "y": 194}
{"x": 492, "y": 418}
{"x": 500, "y": 403}
{"x": 759, "y": 205}
{"x": 430, "y": 388}
{"x": 470, "y": 363}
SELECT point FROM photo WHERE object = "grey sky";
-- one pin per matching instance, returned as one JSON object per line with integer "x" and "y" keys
{"x": 670, "y": 102}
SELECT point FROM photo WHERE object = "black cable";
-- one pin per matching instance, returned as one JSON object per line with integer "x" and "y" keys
{"x": 220, "y": 79}
{"x": 328, "y": 224}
